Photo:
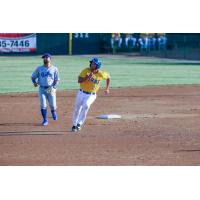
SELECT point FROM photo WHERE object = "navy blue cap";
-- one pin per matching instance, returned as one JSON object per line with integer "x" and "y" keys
{"x": 48, "y": 55}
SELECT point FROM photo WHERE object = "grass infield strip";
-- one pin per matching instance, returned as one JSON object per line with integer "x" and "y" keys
{"x": 15, "y": 72}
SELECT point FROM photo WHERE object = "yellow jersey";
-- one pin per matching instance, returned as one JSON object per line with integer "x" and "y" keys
{"x": 116, "y": 35}
{"x": 93, "y": 84}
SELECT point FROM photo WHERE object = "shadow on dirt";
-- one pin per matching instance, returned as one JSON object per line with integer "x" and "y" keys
{"x": 20, "y": 124}
{"x": 189, "y": 150}
{"x": 31, "y": 133}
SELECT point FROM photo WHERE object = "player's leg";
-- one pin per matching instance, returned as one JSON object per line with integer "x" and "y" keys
{"x": 120, "y": 42}
{"x": 87, "y": 102}
{"x": 52, "y": 104}
{"x": 134, "y": 42}
{"x": 77, "y": 109}
{"x": 112, "y": 43}
{"x": 126, "y": 41}
{"x": 43, "y": 106}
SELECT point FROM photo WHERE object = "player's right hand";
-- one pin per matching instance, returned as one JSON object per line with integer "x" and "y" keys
{"x": 107, "y": 91}
{"x": 35, "y": 84}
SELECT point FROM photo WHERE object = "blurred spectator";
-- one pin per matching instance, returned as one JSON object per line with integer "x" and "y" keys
{"x": 116, "y": 38}
{"x": 147, "y": 44}
{"x": 152, "y": 41}
{"x": 144, "y": 42}
{"x": 140, "y": 43}
{"x": 162, "y": 41}
{"x": 130, "y": 37}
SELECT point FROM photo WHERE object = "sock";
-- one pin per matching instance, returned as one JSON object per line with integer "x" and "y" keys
{"x": 44, "y": 114}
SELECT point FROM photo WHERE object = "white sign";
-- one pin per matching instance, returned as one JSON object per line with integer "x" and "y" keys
{"x": 17, "y": 42}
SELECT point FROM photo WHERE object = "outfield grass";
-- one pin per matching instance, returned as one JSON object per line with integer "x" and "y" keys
{"x": 15, "y": 72}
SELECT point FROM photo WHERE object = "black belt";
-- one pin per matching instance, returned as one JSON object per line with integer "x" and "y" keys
{"x": 45, "y": 87}
{"x": 87, "y": 92}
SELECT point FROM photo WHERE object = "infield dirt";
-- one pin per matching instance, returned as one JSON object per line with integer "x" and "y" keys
{"x": 159, "y": 126}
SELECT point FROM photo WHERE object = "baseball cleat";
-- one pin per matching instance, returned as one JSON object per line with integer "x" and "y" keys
{"x": 45, "y": 123}
{"x": 54, "y": 115}
{"x": 74, "y": 129}
{"x": 78, "y": 127}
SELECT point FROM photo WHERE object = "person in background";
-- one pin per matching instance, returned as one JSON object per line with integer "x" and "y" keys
{"x": 116, "y": 38}
{"x": 130, "y": 37}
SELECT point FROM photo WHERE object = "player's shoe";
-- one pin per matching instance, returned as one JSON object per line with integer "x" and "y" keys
{"x": 44, "y": 123}
{"x": 74, "y": 129}
{"x": 78, "y": 127}
{"x": 54, "y": 115}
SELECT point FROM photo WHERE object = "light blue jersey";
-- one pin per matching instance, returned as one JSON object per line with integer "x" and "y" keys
{"x": 46, "y": 76}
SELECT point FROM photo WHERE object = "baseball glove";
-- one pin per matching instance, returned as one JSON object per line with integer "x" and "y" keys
{"x": 51, "y": 90}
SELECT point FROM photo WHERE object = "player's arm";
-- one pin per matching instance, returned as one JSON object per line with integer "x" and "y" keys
{"x": 82, "y": 79}
{"x": 107, "y": 89}
{"x": 34, "y": 81}
{"x": 56, "y": 79}
{"x": 84, "y": 75}
{"x": 55, "y": 84}
{"x": 34, "y": 77}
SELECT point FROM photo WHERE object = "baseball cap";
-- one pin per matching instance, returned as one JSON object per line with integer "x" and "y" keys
{"x": 48, "y": 55}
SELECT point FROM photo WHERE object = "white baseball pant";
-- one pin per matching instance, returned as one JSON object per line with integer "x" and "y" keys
{"x": 82, "y": 106}
{"x": 44, "y": 97}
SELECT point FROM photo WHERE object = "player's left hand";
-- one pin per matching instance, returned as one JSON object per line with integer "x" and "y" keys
{"x": 51, "y": 90}
{"x": 107, "y": 91}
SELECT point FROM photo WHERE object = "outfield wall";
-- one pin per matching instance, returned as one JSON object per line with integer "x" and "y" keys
{"x": 54, "y": 43}
{"x": 58, "y": 43}
{"x": 178, "y": 45}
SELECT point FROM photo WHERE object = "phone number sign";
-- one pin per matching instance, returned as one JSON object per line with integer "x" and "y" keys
{"x": 18, "y": 44}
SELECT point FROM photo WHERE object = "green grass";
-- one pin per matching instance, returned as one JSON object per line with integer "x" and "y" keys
{"x": 15, "y": 72}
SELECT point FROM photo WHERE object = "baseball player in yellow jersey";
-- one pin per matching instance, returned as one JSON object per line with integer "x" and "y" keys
{"x": 89, "y": 80}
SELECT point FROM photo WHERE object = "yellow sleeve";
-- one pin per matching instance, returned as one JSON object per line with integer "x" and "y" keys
{"x": 105, "y": 75}
{"x": 84, "y": 73}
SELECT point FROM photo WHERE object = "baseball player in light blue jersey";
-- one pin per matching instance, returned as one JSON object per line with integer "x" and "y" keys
{"x": 47, "y": 77}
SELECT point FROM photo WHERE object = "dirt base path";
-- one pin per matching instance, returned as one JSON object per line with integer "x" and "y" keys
{"x": 159, "y": 126}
